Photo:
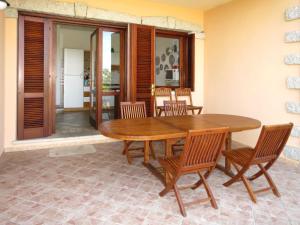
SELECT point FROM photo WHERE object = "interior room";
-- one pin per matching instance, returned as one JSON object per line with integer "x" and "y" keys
{"x": 72, "y": 81}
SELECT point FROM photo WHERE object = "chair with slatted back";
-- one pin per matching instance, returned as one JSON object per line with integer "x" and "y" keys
{"x": 200, "y": 154}
{"x": 270, "y": 144}
{"x": 186, "y": 94}
{"x": 175, "y": 108}
{"x": 161, "y": 95}
{"x": 131, "y": 110}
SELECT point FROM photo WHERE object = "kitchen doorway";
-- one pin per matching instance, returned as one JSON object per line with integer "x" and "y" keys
{"x": 89, "y": 81}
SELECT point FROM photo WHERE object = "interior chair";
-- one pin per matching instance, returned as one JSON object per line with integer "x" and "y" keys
{"x": 186, "y": 94}
{"x": 161, "y": 95}
{"x": 200, "y": 154}
{"x": 131, "y": 110}
{"x": 270, "y": 144}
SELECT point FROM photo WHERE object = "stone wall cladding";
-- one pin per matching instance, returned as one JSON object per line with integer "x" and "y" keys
{"x": 292, "y": 59}
{"x": 293, "y": 107}
{"x": 293, "y": 82}
{"x": 293, "y": 36}
{"x": 295, "y": 132}
{"x": 81, "y": 10}
{"x": 292, "y": 13}
{"x": 45, "y": 6}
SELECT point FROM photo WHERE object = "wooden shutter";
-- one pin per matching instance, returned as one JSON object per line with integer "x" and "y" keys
{"x": 142, "y": 64}
{"x": 33, "y": 104}
{"x": 190, "y": 79}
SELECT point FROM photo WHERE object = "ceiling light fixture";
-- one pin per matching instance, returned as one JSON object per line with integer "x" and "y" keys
{"x": 3, "y": 4}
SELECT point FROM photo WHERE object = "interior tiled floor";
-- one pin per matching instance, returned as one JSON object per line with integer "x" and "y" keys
{"x": 101, "y": 188}
{"x": 73, "y": 124}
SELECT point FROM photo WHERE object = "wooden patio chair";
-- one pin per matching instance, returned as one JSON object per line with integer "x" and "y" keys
{"x": 186, "y": 94}
{"x": 270, "y": 144}
{"x": 175, "y": 108}
{"x": 161, "y": 95}
{"x": 200, "y": 154}
{"x": 131, "y": 110}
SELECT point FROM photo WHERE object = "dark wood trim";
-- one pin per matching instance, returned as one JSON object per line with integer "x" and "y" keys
{"x": 191, "y": 61}
{"x": 47, "y": 57}
{"x": 152, "y": 70}
{"x": 99, "y": 69}
{"x": 122, "y": 68}
{"x": 133, "y": 62}
{"x": 53, "y": 74}
{"x": 170, "y": 33}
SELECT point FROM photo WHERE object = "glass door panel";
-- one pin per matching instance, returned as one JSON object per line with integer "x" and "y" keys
{"x": 167, "y": 61}
{"x": 111, "y": 74}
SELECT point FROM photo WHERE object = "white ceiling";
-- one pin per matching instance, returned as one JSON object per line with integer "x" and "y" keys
{"x": 200, "y": 4}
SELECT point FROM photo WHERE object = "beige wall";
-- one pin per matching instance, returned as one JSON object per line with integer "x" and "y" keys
{"x": 10, "y": 80}
{"x": 1, "y": 83}
{"x": 244, "y": 69}
{"x": 132, "y": 7}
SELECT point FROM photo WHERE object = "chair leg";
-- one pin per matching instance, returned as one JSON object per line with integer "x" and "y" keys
{"x": 199, "y": 183}
{"x": 126, "y": 146}
{"x": 270, "y": 180}
{"x": 126, "y": 151}
{"x": 209, "y": 192}
{"x": 152, "y": 150}
{"x": 259, "y": 173}
{"x": 246, "y": 183}
{"x": 237, "y": 177}
{"x": 179, "y": 200}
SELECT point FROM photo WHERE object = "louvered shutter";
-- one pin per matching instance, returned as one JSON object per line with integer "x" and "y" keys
{"x": 190, "y": 80}
{"x": 33, "y": 105}
{"x": 142, "y": 64}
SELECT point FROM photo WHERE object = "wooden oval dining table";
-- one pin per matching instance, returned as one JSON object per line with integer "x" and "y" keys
{"x": 171, "y": 129}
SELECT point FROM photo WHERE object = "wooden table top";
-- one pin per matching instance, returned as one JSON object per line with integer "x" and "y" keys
{"x": 160, "y": 128}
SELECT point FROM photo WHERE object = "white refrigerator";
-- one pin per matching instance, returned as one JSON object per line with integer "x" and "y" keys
{"x": 73, "y": 78}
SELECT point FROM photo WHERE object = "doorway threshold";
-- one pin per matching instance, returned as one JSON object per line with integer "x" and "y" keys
{"x": 44, "y": 143}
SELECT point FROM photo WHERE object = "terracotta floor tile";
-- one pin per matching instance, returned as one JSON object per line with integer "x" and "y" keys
{"x": 101, "y": 188}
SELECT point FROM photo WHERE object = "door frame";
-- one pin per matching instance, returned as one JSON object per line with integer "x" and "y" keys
{"x": 53, "y": 21}
{"x": 99, "y": 69}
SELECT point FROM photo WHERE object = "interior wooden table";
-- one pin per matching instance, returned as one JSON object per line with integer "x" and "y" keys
{"x": 171, "y": 129}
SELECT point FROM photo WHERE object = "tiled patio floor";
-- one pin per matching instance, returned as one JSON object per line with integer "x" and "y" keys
{"x": 101, "y": 188}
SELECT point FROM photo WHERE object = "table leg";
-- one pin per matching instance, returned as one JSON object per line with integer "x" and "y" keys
{"x": 146, "y": 151}
{"x": 228, "y": 148}
{"x": 158, "y": 172}
{"x": 227, "y": 168}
